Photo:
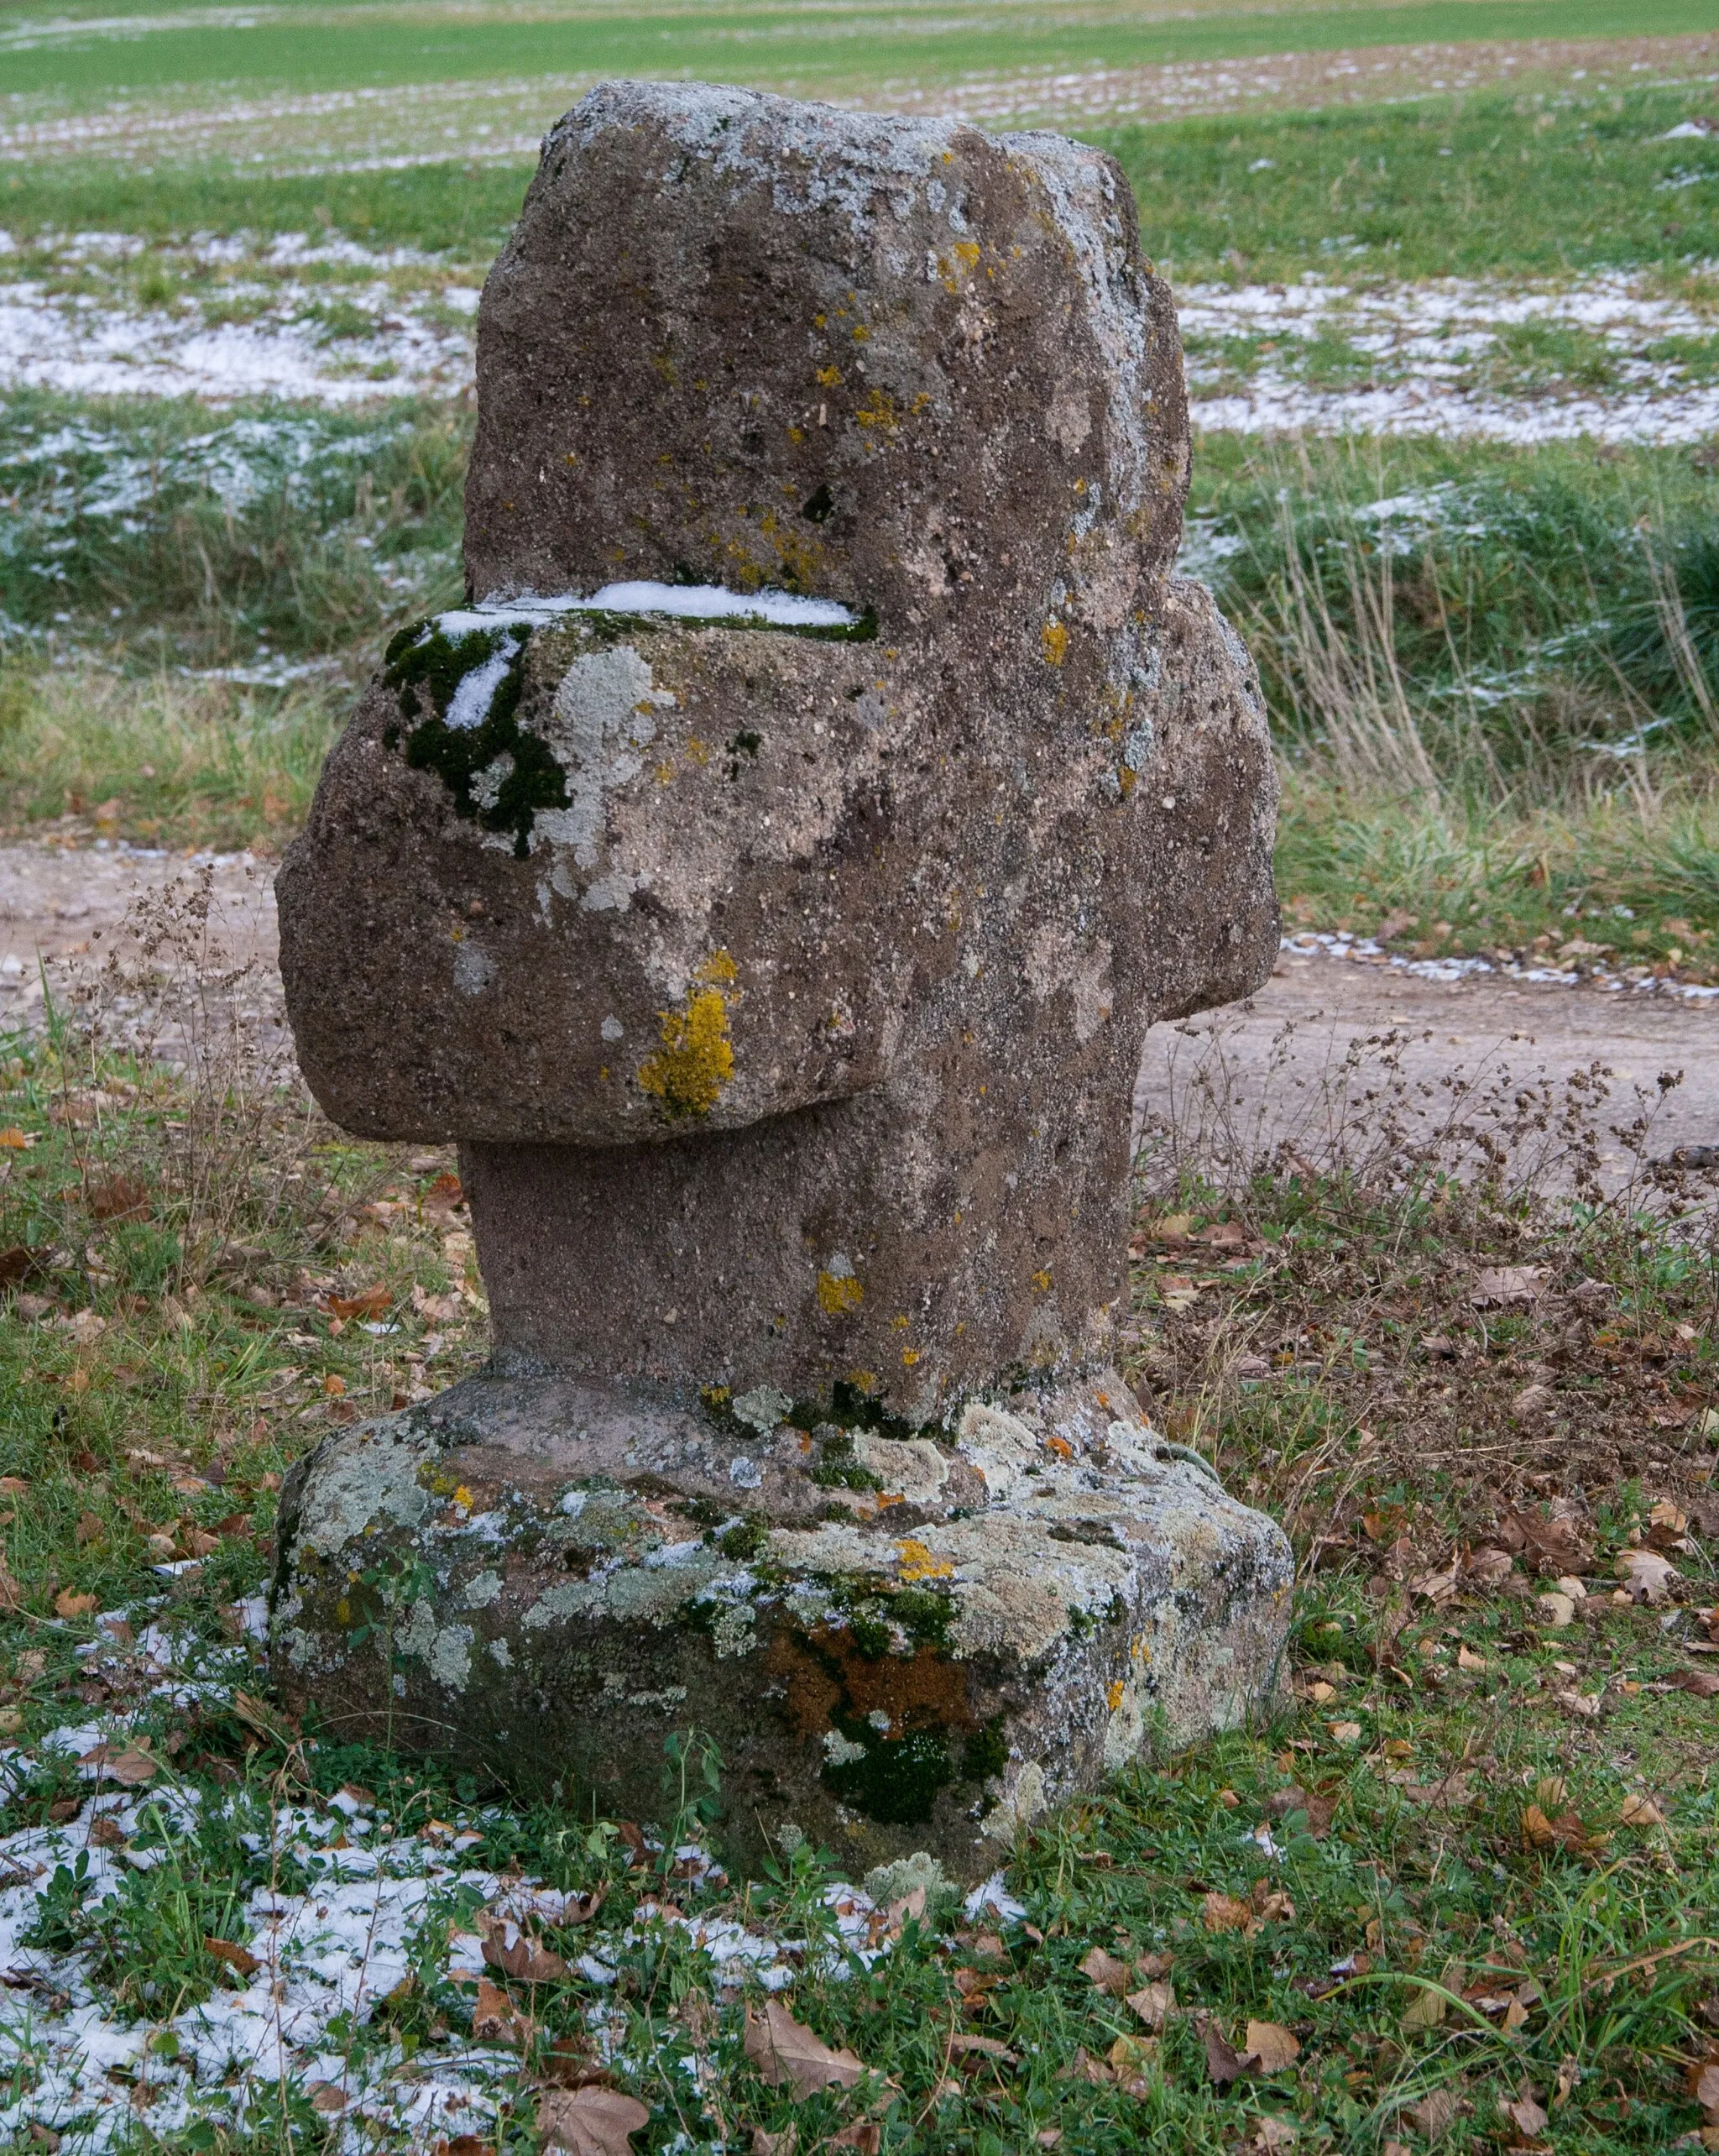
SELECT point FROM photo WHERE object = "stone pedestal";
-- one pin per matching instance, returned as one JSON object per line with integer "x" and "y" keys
{"x": 767, "y": 879}
{"x": 898, "y": 1643}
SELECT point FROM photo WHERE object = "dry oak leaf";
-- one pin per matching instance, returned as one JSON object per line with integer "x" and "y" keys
{"x": 783, "y": 2049}
{"x": 1154, "y": 2004}
{"x": 1269, "y": 2048}
{"x": 326, "y": 2098}
{"x": 590, "y": 2121}
{"x": 236, "y": 1957}
{"x": 1639, "y": 1811}
{"x": 74, "y": 1605}
{"x": 1109, "y": 1974}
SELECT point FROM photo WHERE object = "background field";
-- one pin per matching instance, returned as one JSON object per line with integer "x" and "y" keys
{"x": 1449, "y": 278}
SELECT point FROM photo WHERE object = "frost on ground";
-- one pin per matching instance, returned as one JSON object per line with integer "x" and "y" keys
{"x": 1605, "y": 356}
{"x": 333, "y": 322}
{"x": 318, "y": 1914}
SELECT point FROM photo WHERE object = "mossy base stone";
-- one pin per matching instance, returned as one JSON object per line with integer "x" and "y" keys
{"x": 897, "y": 1642}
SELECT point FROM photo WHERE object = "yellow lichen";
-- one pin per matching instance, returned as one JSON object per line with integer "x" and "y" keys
{"x": 1113, "y": 1693}
{"x": 910, "y": 1356}
{"x": 829, "y": 378}
{"x": 1053, "y": 642}
{"x": 462, "y": 1496}
{"x": 720, "y": 966}
{"x": 839, "y": 1292}
{"x": 966, "y": 253}
{"x": 918, "y": 1562}
{"x": 696, "y": 1059}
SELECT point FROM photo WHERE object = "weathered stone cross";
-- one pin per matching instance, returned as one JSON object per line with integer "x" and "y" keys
{"x": 768, "y": 880}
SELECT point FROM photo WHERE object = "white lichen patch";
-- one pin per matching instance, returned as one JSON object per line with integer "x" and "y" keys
{"x": 599, "y": 726}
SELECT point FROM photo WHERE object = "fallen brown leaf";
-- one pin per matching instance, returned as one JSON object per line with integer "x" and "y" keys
{"x": 1501, "y": 1287}
{"x": 1105, "y": 1971}
{"x": 1639, "y": 1811}
{"x": 369, "y": 1302}
{"x": 1223, "y": 2061}
{"x": 1269, "y": 2047}
{"x": 783, "y": 2049}
{"x": 1221, "y": 1913}
{"x": 1154, "y": 2004}
{"x": 236, "y": 1957}
{"x": 864, "y": 2134}
{"x": 1528, "y": 2117}
{"x": 515, "y": 1952}
{"x": 1434, "y": 2113}
{"x": 495, "y": 2019}
{"x": 1646, "y": 1574}
{"x": 590, "y": 2121}
{"x": 74, "y": 1605}
{"x": 984, "y": 2047}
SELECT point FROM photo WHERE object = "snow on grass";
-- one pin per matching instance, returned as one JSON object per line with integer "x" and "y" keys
{"x": 1453, "y": 357}
{"x": 333, "y": 1905}
{"x": 332, "y": 321}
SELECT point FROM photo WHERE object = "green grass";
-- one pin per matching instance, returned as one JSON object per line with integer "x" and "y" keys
{"x": 1457, "y": 680}
{"x": 312, "y": 47}
{"x": 1396, "y": 1914}
{"x": 1488, "y": 185}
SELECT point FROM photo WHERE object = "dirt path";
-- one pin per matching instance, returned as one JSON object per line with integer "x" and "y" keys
{"x": 64, "y": 910}
{"x": 1262, "y": 1074}
{"x": 1273, "y": 1071}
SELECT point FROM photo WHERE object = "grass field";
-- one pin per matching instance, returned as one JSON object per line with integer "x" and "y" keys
{"x": 1447, "y": 282}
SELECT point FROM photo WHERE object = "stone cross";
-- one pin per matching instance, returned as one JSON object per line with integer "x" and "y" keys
{"x": 767, "y": 879}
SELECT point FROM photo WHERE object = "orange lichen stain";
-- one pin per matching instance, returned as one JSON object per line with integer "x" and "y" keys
{"x": 696, "y": 1058}
{"x": 1139, "y": 1648}
{"x": 923, "y": 1690}
{"x": 1061, "y": 1447}
{"x": 918, "y": 1562}
{"x": 886, "y": 1498}
{"x": 1054, "y": 643}
{"x": 1113, "y": 1693}
{"x": 840, "y": 1293}
{"x": 910, "y": 1356}
{"x": 462, "y": 1495}
{"x": 829, "y": 378}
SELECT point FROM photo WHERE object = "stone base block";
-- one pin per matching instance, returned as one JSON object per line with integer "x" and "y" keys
{"x": 897, "y": 1642}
